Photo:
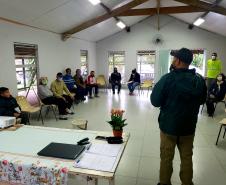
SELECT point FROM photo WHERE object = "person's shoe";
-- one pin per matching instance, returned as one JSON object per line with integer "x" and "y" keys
{"x": 113, "y": 92}
{"x": 69, "y": 111}
{"x": 83, "y": 99}
{"x": 96, "y": 95}
{"x": 118, "y": 92}
{"x": 62, "y": 117}
{"x": 90, "y": 97}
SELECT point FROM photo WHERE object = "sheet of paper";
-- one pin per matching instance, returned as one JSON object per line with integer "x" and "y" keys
{"x": 105, "y": 149}
{"x": 96, "y": 162}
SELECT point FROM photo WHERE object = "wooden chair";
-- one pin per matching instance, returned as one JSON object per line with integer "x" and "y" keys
{"x": 101, "y": 81}
{"x": 147, "y": 84}
{"x": 223, "y": 124}
{"x": 29, "y": 109}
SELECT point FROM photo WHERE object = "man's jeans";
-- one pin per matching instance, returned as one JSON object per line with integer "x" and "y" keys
{"x": 132, "y": 86}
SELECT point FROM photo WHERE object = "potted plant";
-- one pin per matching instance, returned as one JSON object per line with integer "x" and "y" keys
{"x": 117, "y": 122}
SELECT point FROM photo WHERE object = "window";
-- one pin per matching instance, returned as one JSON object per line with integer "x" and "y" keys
{"x": 146, "y": 64}
{"x": 117, "y": 59}
{"x": 198, "y": 61}
{"x": 84, "y": 62}
{"x": 26, "y": 66}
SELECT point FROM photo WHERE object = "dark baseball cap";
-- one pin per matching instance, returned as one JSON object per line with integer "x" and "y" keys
{"x": 214, "y": 54}
{"x": 59, "y": 75}
{"x": 184, "y": 54}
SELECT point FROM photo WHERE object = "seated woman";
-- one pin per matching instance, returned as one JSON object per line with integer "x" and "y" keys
{"x": 134, "y": 81}
{"x": 216, "y": 93}
{"x": 9, "y": 106}
{"x": 81, "y": 86}
{"x": 46, "y": 95}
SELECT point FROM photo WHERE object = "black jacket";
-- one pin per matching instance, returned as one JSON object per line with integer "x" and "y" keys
{"x": 135, "y": 77}
{"x": 7, "y": 106}
{"x": 179, "y": 95}
{"x": 115, "y": 78}
{"x": 219, "y": 93}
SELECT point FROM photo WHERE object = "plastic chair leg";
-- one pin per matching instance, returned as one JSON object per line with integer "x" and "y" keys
{"x": 54, "y": 112}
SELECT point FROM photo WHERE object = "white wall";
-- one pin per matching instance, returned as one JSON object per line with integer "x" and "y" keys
{"x": 175, "y": 35}
{"x": 54, "y": 54}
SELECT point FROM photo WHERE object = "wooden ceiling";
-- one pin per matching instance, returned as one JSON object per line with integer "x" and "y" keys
{"x": 127, "y": 10}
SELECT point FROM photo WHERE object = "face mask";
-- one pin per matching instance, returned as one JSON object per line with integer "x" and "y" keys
{"x": 214, "y": 57}
{"x": 219, "y": 78}
{"x": 60, "y": 79}
{"x": 44, "y": 82}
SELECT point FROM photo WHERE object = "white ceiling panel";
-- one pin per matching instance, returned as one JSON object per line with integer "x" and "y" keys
{"x": 27, "y": 10}
{"x": 69, "y": 15}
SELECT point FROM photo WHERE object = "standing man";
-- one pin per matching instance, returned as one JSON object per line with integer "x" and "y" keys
{"x": 134, "y": 81}
{"x": 115, "y": 80}
{"x": 214, "y": 67}
{"x": 92, "y": 83}
{"x": 179, "y": 95}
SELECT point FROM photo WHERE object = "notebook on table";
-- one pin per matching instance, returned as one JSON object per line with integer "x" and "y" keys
{"x": 61, "y": 150}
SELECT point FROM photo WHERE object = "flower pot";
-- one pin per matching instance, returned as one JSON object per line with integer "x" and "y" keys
{"x": 117, "y": 133}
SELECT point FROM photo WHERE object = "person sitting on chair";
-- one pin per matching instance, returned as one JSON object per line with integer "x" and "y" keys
{"x": 115, "y": 80}
{"x": 81, "y": 86}
{"x": 91, "y": 83}
{"x": 69, "y": 81}
{"x": 216, "y": 93}
{"x": 134, "y": 81}
{"x": 46, "y": 96}
{"x": 9, "y": 106}
{"x": 58, "y": 88}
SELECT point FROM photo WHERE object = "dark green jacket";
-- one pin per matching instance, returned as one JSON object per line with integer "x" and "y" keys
{"x": 179, "y": 95}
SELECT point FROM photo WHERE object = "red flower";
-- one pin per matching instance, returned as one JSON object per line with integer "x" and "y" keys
{"x": 64, "y": 170}
{"x": 5, "y": 162}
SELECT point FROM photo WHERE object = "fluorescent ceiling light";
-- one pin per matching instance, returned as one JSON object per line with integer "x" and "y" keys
{"x": 95, "y": 2}
{"x": 120, "y": 24}
{"x": 199, "y": 21}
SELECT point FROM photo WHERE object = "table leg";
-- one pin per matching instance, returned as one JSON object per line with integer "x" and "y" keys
{"x": 112, "y": 181}
{"x": 219, "y": 134}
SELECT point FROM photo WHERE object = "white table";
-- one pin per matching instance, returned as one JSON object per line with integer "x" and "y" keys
{"x": 27, "y": 141}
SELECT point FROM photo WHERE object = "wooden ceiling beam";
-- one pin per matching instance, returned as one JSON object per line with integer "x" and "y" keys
{"x": 204, "y": 5}
{"x": 99, "y": 19}
{"x": 162, "y": 10}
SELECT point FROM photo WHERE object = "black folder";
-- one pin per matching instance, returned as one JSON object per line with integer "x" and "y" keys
{"x": 61, "y": 150}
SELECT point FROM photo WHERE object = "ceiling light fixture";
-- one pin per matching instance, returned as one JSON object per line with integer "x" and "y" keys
{"x": 120, "y": 24}
{"x": 199, "y": 21}
{"x": 95, "y": 2}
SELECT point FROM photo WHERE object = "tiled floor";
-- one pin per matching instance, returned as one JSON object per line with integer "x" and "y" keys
{"x": 140, "y": 163}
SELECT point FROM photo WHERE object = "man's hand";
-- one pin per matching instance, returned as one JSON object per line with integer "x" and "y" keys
{"x": 16, "y": 115}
